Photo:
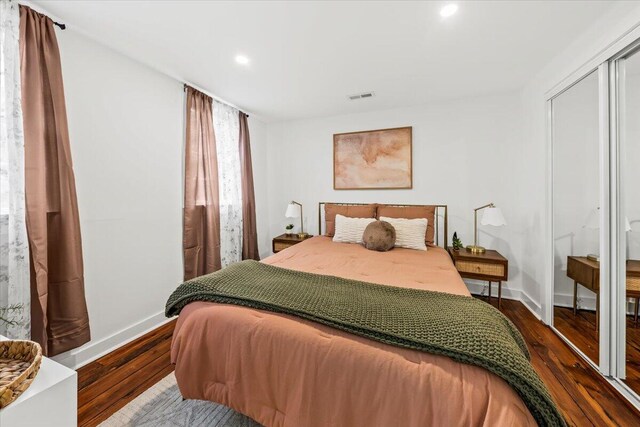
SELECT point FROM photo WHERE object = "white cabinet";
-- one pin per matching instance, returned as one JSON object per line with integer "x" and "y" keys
{"x": 50, "y": 401}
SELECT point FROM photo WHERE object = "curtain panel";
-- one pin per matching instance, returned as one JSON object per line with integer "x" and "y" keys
{"x": 249, "y": 228}
{"x": 226, "y": 129}
{"x": 201, "y": 221}
{"x": 14, "y": 249}
{"x": 59, "y": 318}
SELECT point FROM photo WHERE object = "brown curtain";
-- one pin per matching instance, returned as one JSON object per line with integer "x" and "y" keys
{"x": 59, "y": 318}
{"x": 249, "y": 229}
{"x": 201, "y": 233}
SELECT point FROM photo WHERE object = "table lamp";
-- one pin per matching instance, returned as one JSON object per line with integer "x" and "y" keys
{"x": 491, "y": 216}
{"x": 593, "y": 222}
{"x": 294, "y": 210}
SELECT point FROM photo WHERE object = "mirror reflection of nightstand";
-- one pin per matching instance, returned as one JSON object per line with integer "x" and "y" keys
{"x": 586, "y": 272}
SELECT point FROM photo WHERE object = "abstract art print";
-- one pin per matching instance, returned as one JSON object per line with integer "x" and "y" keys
{"x": 375, "y": 159}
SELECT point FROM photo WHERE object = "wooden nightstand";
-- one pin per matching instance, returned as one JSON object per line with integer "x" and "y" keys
{"x": 489, "y": 266}
{"x": 284, "y": 241}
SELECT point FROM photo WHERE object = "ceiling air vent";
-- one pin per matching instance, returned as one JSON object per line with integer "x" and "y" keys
{"x": 360, "y": 96}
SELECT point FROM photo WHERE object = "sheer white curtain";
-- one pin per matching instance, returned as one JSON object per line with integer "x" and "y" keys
{"x": 226, "y": 127}
{"x": 15, "y": 310}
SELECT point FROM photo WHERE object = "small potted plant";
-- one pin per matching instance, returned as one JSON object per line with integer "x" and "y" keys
{"x": 289, "y": 229}
{"x": 457, "y": 243}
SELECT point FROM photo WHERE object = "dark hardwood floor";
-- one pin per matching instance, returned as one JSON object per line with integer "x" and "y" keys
{"x": 584, "y": 397}
{"x": 109, "y": 383}
{"x": 580, "y": 329}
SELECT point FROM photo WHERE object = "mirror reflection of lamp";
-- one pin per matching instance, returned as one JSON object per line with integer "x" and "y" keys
{"x": 593, "y": 223}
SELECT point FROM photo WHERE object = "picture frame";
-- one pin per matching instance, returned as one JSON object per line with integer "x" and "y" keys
{"x": 380, "y": 159}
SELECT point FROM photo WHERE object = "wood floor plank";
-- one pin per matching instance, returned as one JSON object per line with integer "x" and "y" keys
{"x": 120, "y": 374}
{"x": 121, "y": 402}
{"x": 94, "y": 371}
{"x": 120, "y": 390}
{"x": 580, "y": 329}
{"x": 112, "y": 381}
{"x": 583, "y": 396}
{"x": 600, "y": 402}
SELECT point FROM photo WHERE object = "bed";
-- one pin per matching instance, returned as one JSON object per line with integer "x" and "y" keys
{"x": 283, "y": 370}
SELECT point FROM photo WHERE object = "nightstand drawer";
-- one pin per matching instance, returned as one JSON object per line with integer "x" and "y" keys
{"x": 285, "y": 241}
{"x": 278, "y": 246}
{"x": 633, "y": 284}
{"x": 584, "y": 271}
{"x": 496, "y": 270}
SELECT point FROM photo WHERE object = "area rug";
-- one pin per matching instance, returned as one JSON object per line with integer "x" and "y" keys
{"x": 162, "y": 406}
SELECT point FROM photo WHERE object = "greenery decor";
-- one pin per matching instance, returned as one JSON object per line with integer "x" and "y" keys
{"x": 289, "y": 228}
{"x": 457, "y": 243}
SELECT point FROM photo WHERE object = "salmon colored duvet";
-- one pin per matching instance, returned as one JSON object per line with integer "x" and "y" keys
{"x": 281, "y": 370}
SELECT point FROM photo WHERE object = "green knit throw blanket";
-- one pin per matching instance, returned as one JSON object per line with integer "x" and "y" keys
{"x": 465, "y": 329}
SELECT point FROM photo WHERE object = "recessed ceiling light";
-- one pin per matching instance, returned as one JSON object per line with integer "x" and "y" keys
{"x": 241, "y": 59}
{"x": 448, "y": 10}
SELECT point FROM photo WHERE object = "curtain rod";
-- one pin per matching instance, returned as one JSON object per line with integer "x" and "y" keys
{"x": 186, "y": 85}
{"x": 28, "y": 4}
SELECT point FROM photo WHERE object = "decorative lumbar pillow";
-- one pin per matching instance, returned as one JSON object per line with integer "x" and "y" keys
{"x": 411, "y": 212}
{"x": 379, "y": 236}
{"x": 350, "y": 230}
{"x": 409, "y": 232}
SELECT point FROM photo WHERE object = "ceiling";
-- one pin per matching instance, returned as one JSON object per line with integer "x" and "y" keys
{"x": 306, "y": 57}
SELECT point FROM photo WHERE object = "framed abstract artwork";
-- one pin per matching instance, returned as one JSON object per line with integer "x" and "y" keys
{"x": 373, "y": 160}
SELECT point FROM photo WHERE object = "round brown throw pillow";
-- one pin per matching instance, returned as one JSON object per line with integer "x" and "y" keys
{"x": 379, "y": 236}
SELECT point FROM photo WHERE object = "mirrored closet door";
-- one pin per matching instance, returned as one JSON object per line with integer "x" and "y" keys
{"x": 593, "y": 298}
{"x": 576, "y": 214}
{"x": 628, "y": 128}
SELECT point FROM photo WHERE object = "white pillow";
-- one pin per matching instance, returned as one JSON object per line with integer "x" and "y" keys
{"x": 350, "y": 230}
{"x": 409, "y": 232}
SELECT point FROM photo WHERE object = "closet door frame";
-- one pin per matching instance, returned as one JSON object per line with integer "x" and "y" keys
{"x": 618, "y": 233}
{"x": 604, "y": 344}
{"x": 612, "y": 237}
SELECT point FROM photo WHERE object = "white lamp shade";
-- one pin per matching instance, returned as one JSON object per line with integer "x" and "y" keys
{"x": 493, "y": 216}
{"x": 593, "y": 221}
{"x": 293, "y": 211}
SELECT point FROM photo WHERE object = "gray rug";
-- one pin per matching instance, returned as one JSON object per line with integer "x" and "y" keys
{"x": 162, "y": 406}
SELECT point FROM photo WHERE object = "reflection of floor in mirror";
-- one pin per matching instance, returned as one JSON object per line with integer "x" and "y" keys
{"x": 581, "y": 330}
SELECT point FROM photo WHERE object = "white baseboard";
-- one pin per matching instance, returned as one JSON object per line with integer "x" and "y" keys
{"x": 566, "y": 300}
{"x": 532, "y": 306}
{"x": 481, "y": 288}
{"x": 585, "y": 302}
{"x": 95, "y": 349}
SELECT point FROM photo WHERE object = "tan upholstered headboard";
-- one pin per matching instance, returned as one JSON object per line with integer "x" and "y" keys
{"x": 441, "y": 219}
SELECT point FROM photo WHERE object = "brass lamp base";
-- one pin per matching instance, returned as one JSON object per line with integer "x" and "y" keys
{"x": 593, "y": 257}
{"x": 476, "y": 249}
{"x": 303, "y": 235}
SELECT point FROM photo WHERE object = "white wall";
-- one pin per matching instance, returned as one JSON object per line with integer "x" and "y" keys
{"x": 462, "y": 156}
{"x": 532, "y": 162}
{"x": 126, "y": 129}
{"x": 125, "y": 124}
